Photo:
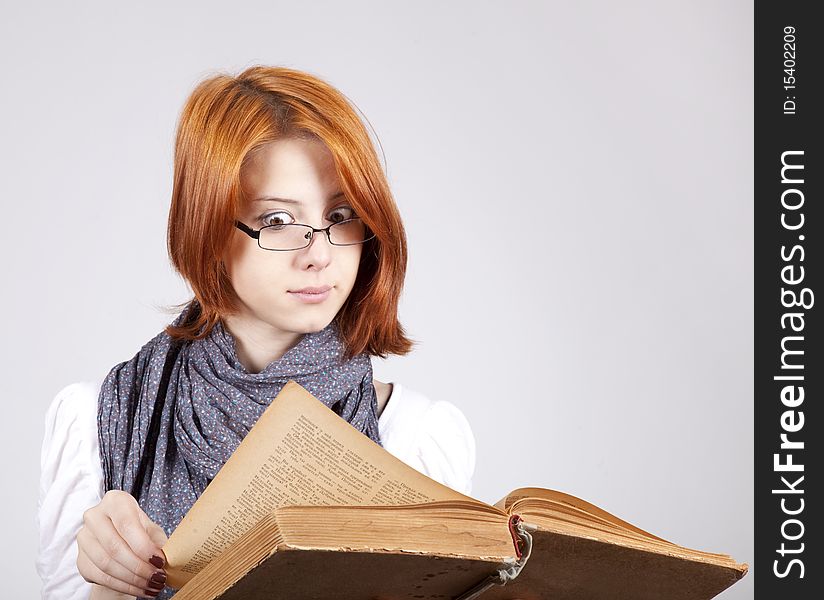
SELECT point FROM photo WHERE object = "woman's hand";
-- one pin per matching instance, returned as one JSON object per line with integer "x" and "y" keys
{"x": 119, "y": 547}
{"x": 103, "y": 593}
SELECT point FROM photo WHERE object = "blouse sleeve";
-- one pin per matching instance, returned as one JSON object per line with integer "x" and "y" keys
{"x": 446, "y": 447}
{"x": 433, "y": 437}
{"x": 71, "y": 481}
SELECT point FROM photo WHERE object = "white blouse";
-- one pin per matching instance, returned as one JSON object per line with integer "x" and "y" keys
{"x": 433, "y": 437}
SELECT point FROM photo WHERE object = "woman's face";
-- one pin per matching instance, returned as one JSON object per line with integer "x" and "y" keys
{"x": 301, "y": 174}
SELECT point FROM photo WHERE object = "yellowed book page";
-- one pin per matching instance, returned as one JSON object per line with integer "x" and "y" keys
{"x": 522, "y": 496}
{"x": 298, "y": 453}
{"x": 437, "y": 527}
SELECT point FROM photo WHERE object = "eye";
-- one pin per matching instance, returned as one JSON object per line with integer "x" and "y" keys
{"x": 342, "y": 213}
{"x": 279, "y": 217}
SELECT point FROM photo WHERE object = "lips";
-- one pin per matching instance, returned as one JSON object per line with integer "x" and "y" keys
{"x": 312, "y": 295}
{"x": 312, "y": 290}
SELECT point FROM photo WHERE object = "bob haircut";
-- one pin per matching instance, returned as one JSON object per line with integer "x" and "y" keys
{"x": 223, "y": 122}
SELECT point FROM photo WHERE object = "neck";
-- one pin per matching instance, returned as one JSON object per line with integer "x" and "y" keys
{"x": 258, "y": 345}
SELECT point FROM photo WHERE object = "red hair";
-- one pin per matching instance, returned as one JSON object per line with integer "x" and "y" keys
{"x": 225, "y": 120}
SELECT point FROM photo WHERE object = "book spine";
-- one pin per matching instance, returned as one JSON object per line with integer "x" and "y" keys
{"x": 522, "y": 541}
{"x": 514, "y": 521}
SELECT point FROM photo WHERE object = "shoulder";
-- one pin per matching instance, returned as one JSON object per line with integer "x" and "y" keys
{"x": 70, "y": 434}
{"x": 73, "y": 408}
{"x": 76, "y": 393}
{"x": 432, "y": 435}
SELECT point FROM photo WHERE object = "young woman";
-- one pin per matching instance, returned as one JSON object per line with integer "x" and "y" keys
{"x": 284, "y": 227}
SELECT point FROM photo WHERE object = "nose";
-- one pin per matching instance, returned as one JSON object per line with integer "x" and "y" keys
{"x": 318, "y": 254}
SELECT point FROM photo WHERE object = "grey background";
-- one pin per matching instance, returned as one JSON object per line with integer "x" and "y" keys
{"x": 598, "y": 337}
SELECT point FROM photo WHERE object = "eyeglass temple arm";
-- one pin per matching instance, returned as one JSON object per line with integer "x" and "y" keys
{"x": 247, "y": 230}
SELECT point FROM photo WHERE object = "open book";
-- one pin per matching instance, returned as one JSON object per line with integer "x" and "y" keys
{"x": 308, "y": 507}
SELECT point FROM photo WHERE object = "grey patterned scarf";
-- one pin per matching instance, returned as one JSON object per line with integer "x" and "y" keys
{"x": 169, "y": 418}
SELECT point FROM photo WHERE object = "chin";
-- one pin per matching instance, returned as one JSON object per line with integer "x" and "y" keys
{"x": 312, "y": 325}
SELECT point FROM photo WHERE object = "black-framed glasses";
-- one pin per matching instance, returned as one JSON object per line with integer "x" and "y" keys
{"x": 294, "y": 236}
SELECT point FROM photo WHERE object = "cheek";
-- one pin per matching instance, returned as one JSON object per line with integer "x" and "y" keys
{"x": 253, "y": 272}
{"x": 351, "y": 268}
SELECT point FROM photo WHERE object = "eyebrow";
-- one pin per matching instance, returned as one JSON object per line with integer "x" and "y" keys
{"x": 289, "y": 200}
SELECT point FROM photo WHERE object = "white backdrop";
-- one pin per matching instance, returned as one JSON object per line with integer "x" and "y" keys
{"x": 575, "y": 178}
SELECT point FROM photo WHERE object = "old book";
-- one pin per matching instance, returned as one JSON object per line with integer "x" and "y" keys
{"x": 309, "y": 508}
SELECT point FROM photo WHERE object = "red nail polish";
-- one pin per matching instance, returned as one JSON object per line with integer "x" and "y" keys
{"x": 159, "y": 577}
{"x": 157, "y": 561}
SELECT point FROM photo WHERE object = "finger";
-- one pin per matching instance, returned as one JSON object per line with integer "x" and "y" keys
{"x": 101, "y": 528}
{"x": 101, "y": 593}
{"x": 105, "y": 563}
{"x": 155, "y": 531}
{"x": 128, "y": 521}
{"x": 94, "y": 574}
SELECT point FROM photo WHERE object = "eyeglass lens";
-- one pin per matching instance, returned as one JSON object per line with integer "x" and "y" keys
{"x": 293, "y": 236}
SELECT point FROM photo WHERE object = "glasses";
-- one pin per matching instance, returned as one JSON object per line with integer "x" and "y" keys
{"x": 294, "y": 236}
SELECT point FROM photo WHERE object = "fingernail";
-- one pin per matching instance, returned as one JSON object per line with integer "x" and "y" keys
{"x": 151, "y": 593}
{"x": 155, "y": 588}
{"x": 157, "y": 561}
{"x": 157, "y": 577}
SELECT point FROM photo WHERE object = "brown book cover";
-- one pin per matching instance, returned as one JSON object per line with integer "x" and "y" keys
{"x": 308, "y": 507}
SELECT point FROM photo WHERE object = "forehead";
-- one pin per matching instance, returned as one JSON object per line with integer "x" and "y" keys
{"x": 290, "y": 168}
